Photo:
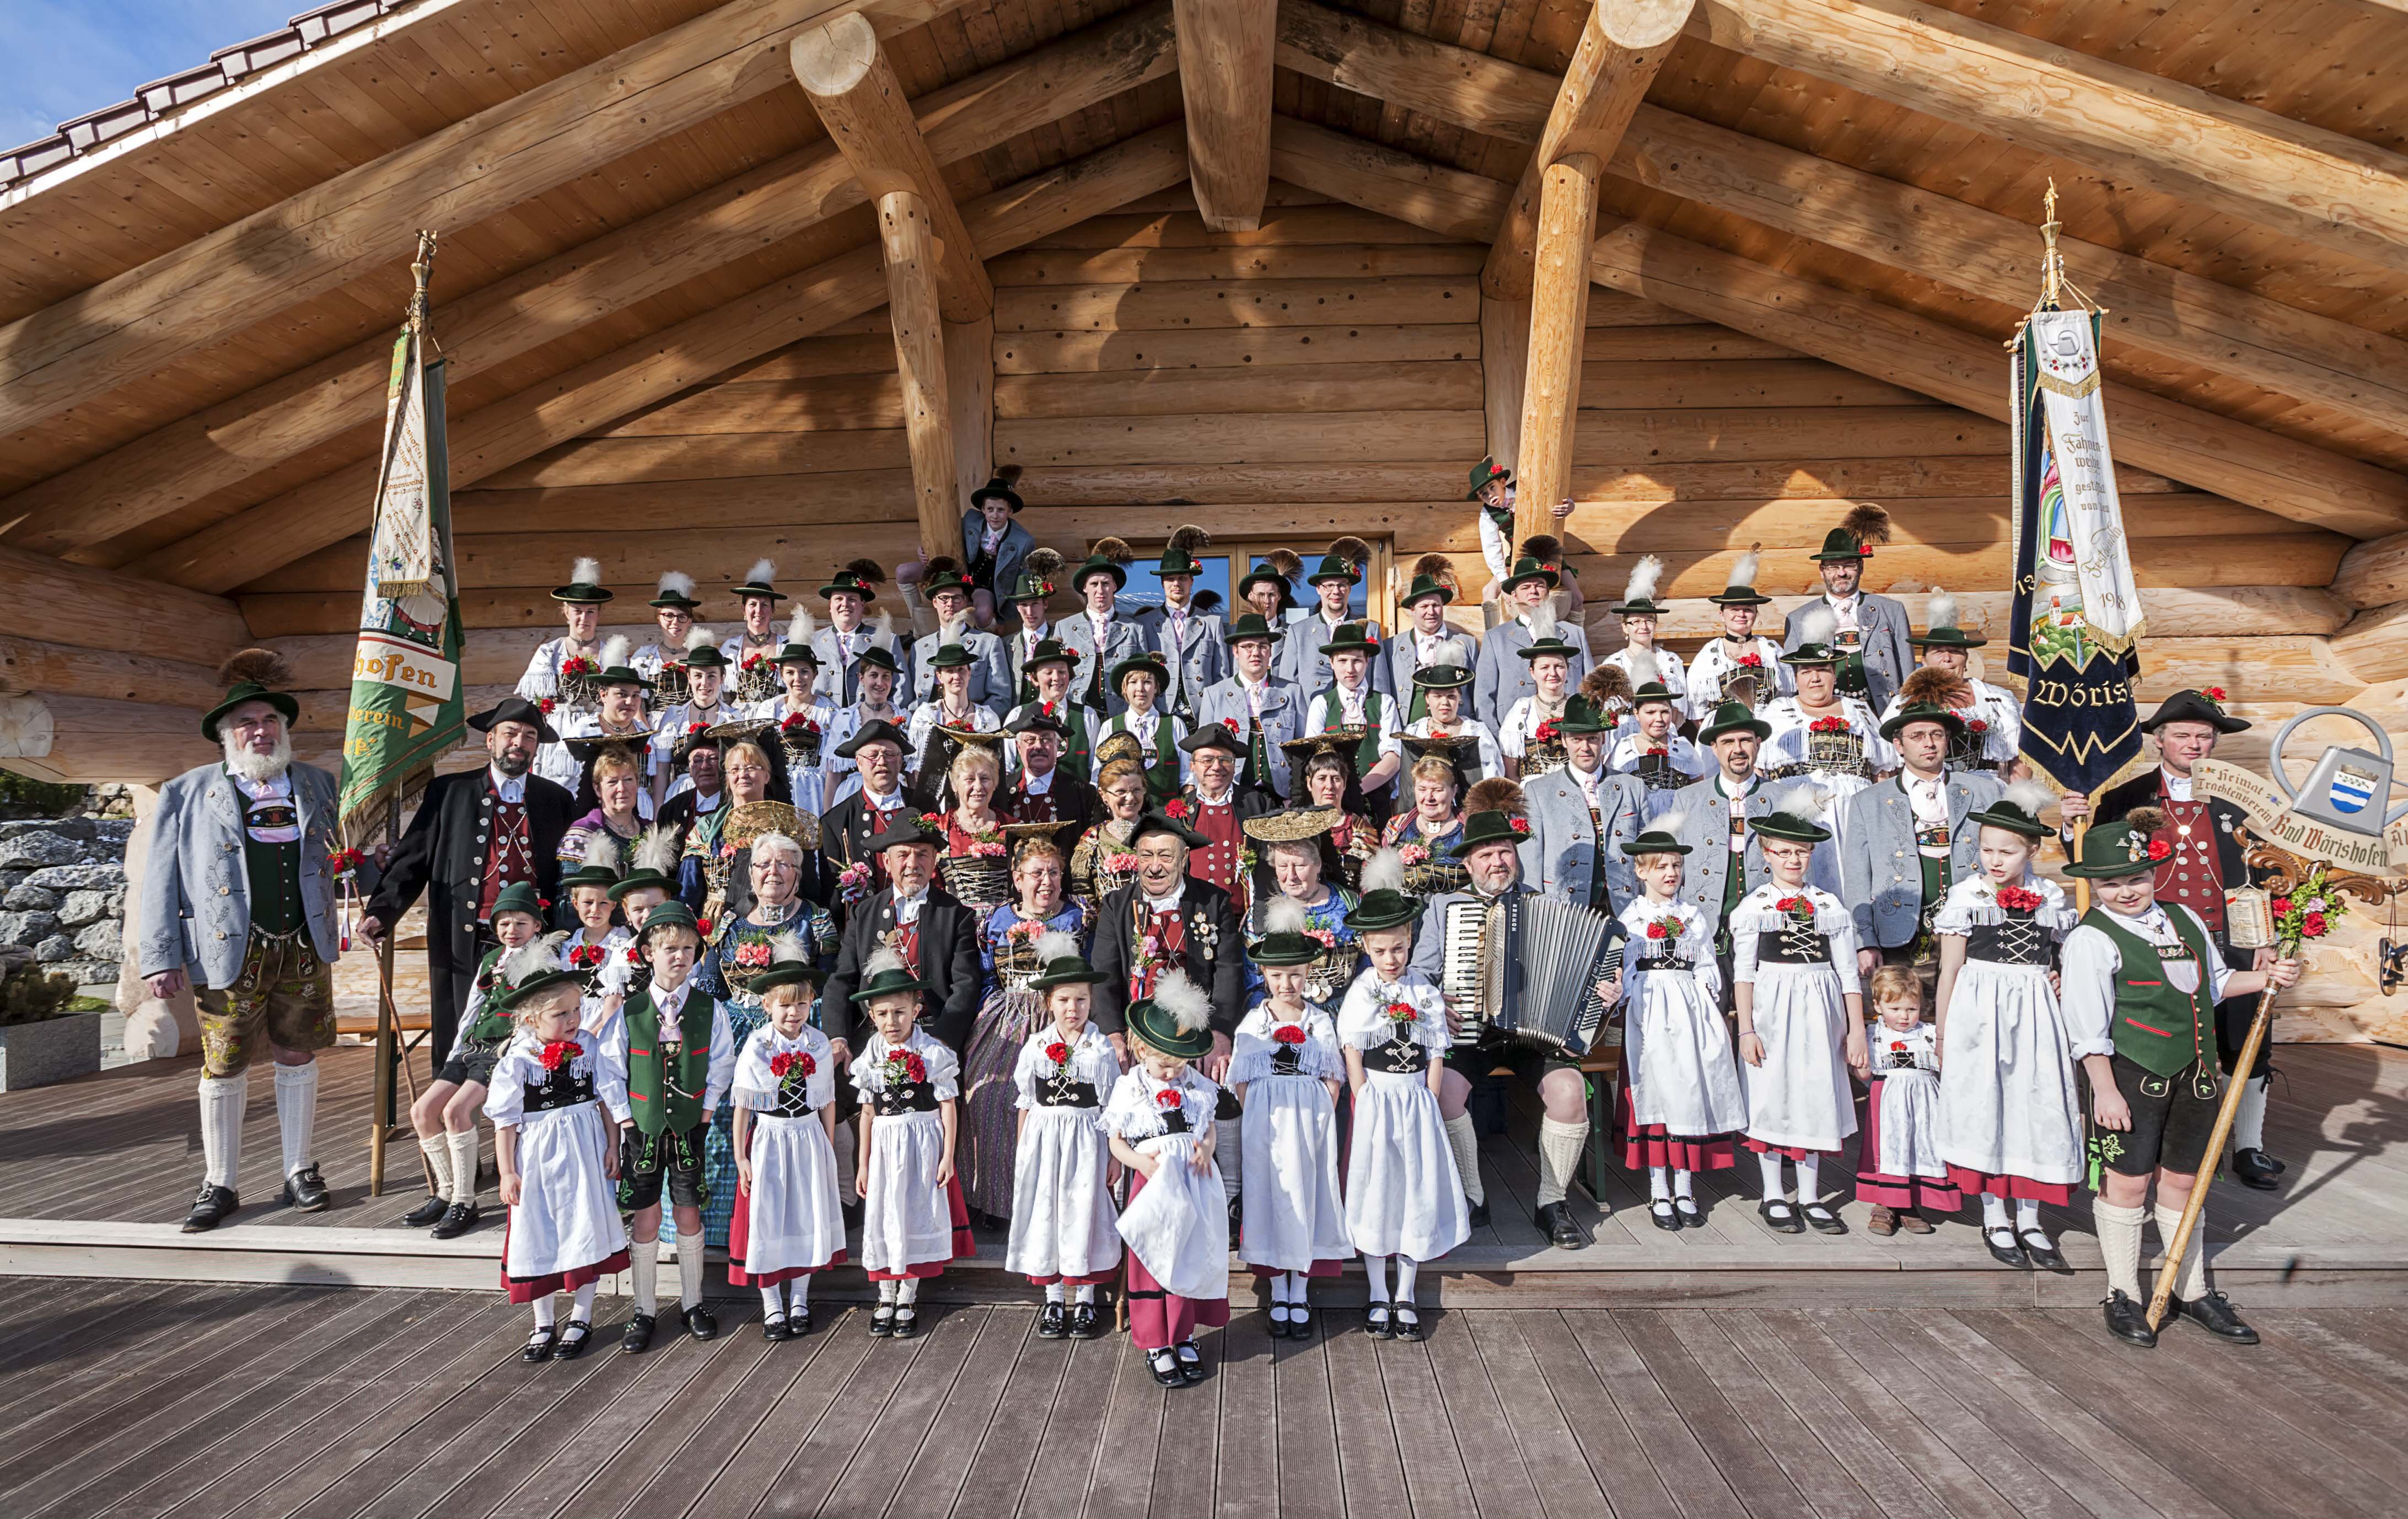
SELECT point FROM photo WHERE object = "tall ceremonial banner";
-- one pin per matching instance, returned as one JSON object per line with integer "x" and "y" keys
{"x": 407, "y": 708}
{"x": 2077, "y": 622}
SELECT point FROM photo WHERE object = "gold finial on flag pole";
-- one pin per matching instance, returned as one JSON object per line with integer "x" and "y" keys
{"x": 421, "y": 269}
{"x": 2052, "y": 261}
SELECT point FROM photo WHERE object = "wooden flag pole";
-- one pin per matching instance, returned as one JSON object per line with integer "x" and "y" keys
{"x": 2177, "y": 1247}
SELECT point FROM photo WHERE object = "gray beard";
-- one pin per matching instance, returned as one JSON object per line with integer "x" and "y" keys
{"x": 259, "y": 769}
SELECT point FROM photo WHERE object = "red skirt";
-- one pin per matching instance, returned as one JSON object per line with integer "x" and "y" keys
{"x": 1787, "y": 1152}
{"x": 2016, "y": 1188}
{"x": 1652, "y": 1145}
{"x": 965, "y": 1246}
{"x": 1896, "y": 1191}
{"x": 527, "y": 1289}
{"x": 739, "y": 1238}
{"x": 1158, "y": 1317}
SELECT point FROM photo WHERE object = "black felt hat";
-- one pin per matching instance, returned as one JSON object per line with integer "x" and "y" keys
{"x": 2192, "y": 705}
{"x": 515, "y": 709}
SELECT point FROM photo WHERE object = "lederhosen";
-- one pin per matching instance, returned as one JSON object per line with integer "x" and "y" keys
{"x": 283, "y": 992}
{"x": 2165, "y": 1059}
{"x": 664, "y": 1090}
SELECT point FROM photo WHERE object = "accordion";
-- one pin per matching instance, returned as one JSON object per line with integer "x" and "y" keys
{"x": 1526, "y": 967}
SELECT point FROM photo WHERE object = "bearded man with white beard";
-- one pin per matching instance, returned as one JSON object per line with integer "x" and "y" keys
{"x": 239, "y": 902}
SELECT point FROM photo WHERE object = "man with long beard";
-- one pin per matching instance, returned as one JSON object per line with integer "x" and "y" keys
{"x": 239, "y": 902}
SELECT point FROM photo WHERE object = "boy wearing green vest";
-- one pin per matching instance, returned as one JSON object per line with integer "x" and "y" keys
{"x": 444, "y": 1114}
{"x": 680, "y": 1057}
{"x": 1351, "y": 703}
{"x": 2141, "y": 982}
{"x": 1140, "y": 680}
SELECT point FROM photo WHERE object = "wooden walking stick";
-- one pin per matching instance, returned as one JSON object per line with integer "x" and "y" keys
{"x": 2177, "y": 1246}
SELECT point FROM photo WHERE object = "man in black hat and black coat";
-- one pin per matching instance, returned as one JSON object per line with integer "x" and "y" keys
{"x": 474, "y": 833}
{"x": 1040, "y": 789}
{"x": 2203, "y": 860}
{"x": 1190, "y": 924}
{"x": 935, "y": 932}
{"x": 849, "y": 830}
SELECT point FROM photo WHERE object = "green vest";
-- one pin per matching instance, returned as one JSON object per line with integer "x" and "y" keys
{"x": 272, "y": 875}
{"x": 664, "y": 1093}
{"x": 1162, "y": 766}
{"x": 2157, "y": 1026}
{"x": 492, "y": 1026}
{"x": 1333, "y": 715}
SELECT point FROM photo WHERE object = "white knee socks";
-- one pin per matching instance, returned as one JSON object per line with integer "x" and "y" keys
{"x": 2119, "y": 1244}
{"x": 689, "y": 1253}
{"x": 223, "y": 1099}
{"x": 773, "y": 1303}
{"x": 297, "y": 1111}
{"x": 1810, "y": 1181}
{"x": 1559, "y": 1157}
{"x": 582, "y": 1309}
{"x": 543, "y": 1311}
{"x": 907, "y": 1292}
{"x": 463, "y": 1165}
{"x": 886, "y": 1290}
{"x": 2028, "y": 1216}
{"x": 1684, "y": 1183}
{"x": 644, "y": 1269}
{"x": 2249, "y": 1118}
{"x": 1659, "y": 1183}
{"x": 1465, "y": 1141}
{"x": 1407, "y": 1270}
{"x": 1085, "y": 1291}
{"x": 437, "y": 1151}
{"x": 1375, "y": 1273}
{"x": 1775, "y": 1189}
{"x": 2192, "y": 1283}
{"x": 1994, "y": 1211}
{"x": 798, "y": 1292}
{"x": 1054, "y": 1292}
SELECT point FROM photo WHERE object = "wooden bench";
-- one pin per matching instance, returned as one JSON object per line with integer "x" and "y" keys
{"x": 1602, "y": 1070}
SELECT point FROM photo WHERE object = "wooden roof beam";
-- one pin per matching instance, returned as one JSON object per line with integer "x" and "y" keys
{"x": 259, "y": 540}
{"x": 362, "y": 219}
{"x": 2215, "y": 453}
{"x": 2153, "y": 308}
{"x": 1449, "y": 202}
{"x": 2136, "y": 127}
{"x": 1621, "y": 46}
{"x": 1225, "y": 78}
{"x": 237, "y": 438}
{"x": 848, "y": 78}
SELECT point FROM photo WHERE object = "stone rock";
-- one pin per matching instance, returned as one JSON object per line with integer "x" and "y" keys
{"x": 26, "y": 927}
{"x": 80, "y": 908}
{"x": 30, "y": 899}
{"x": 104, "y": 940}
{"x": 113, "y": 833}
{"x": 84, "y": 973}
{"x": 77, "y": 878}
{"x": 39, "y": 849}
{"x": 77, "y": 828}
{"x": 55, "y": 950}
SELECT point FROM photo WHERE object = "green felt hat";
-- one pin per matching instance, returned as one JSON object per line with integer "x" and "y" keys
{"x": 2111, "y": 851}
{"x": 946, "y": 574}
{"x": 756, "y": 583}
{"x": 520, "y": 897}
{"x": 888, "y": 981}
{"x": 669, "y": 914}
{"x": 1350, "y": 638}
{"x": 1653, "y": 691}
{"x": 950, "y": 656}
{"x": 677, "y": 590}
{"x": 1444, "y": 676}
{"x": 1049, "y": 651}
{"x": 1030, "y": 587}
{"x": 1655, "y": 841}
{"x": 1485, "y": 473}
{"x": 1583, "y": 716}
{"x": 1528, "y": 569}
{"x": 706, "y": 657}
{"x": 542, "y": 981}
{"x": 1249, "y": 624}
{"x": 1812, "y": 655}
{"x": 584, "y": 587}
{"x": 1266, "y": 575}
{"x": 1734, "y": 717}
{"x": 1923, "y": 711}
{"x": 1482, "y": 828}
{"x": 1067, "y": 971}
{"x": 595, "y": 870}
{"x": 1387, "y": 908}
{"x": 1178, "y": 554}
{"x": 1000, "y": 488}
{"x": 1108, "y": 558}
{"x": 786, "y": 973}
{"x": 1344, "y": 562}
{"x": 1789, "y": 827}
{"x": 1159, "y": 1024}
{"x": 2017, "y": 810}
{"x": 1147, "y": 660}
{"x": 252, "y": 674}
{"x": 861, "y": 577}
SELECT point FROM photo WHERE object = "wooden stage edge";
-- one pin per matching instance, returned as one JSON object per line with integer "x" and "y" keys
{"x": 94, "y": 1175}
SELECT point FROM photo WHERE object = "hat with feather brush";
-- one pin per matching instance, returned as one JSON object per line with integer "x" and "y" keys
{"x": 584, "y": 587}
{"x": 252, "y": 675}
{"x": 1865, "y": 526}
{"x": 756, "y": 583}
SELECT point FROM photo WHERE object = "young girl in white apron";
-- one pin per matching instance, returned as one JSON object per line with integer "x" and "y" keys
{"x": 789, "y": 1218}
{"x": 1286, "y": 1070}
{"x": 1064, "y": 1233}
{"x": 1177, "y": 1222}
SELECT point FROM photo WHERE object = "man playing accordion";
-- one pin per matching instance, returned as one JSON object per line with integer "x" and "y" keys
{"x": 1494, "y": 833}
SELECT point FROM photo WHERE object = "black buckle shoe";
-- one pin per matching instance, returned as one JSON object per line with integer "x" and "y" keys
{"x": 1191, "y": 1361}
{"x": 1786, "y": 1222}
{"x": 1279, "y": 1321}
{"x": 907, "y": 1321}
{"x": 1165, "y": 1365}
{"x": 699, "y": 1324}
{"x": 637, "y": 1336}
{"x": 540, "y": 1345}
{"x": 2129, "y": 1321}
{"x": 1478, "y": 1214}
{"x": 1299, "y": 1321}
{"x": 2214, "y": 1314}
{"x": 1408, "y": 1322}
{"x": 1083, "y": 1325}
{"x": 2258, "y": 1169}
{"x": 458, "y": 1219}
{"x": 798, "y": 1322}
{"x": 2041, "y": 1252}
{"x": 574, "y": 1338}
{"x": 305, "y": 1192}
{"x": 1051, "y": 1325}
{"x": 1563, "y": 1231}
{"x": 1692, "y": 1216}
{"x": 1661, "y": 1214}
{"x": 1821, "y": 1220}
{"x": 433, "y": 1209}
{"x": 211, "y": 1205}
{"x": 1379, "y": 1322}
{"x": 2009, "y": 1254}
{"x": 882, "y": 1321}
{"x": 778, "y": 1328}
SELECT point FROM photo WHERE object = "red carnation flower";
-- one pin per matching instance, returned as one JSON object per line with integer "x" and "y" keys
{"x": 798, "y": 723}
{"x": 1796, "y": 906}
{"x": 2313, "y": 926}
{"x": 1287, "y": 1034}
{"x": 2017, "y": 899}
{"x": 781, "y": 1063}
{"x": 2214, "y": 693}
{"x": 1403, "y": 1013}
{"x": 1827, "y": 724}
{"x": 1897, "y": 1044}
{"x": 1657, "y": 930}
{"x": 1547, "y": 731}
{"x": 1976, "y": 727}
{"x": 586, "y": 956}
{"x": 2160, "y": 849}
{"x": 1176, "y": 809}
{"x": 2282, "y": 905}
{"x": 702, "y": 926}
{"x": 1058, "y": 1052}
{"x": 1658, "y": 752}
{"x": 1751, "y": 660}
{"x": 1520, "y": 825}
{"x": 635, "y": 955}
{"x": 558, "y": 1053}
{"x": 914, "y": 1067}
{"x": 1169, "y": 1099}
{"x": 545, "y": 704}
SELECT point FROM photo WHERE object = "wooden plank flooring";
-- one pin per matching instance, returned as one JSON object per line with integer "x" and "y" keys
{"x": 183, "y": 1401}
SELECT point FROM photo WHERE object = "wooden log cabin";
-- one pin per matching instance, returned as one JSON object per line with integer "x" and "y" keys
{"x": 725, "y": 278}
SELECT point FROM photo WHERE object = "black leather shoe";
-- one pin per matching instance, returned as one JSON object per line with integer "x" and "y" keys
{"x": 1164, "y": 1365}
{"x": 1661, "y": 1214}
{"x": 1191, "y": 1361}
{"x": 434, "y": 1208}
{"x": 211, "y": 1207}
{"x": 458, "y": 1219}
{"x": 2129, "y": 1321}
{"x": 1051, "y": 1325}
{"x": 781, "y": 1327}
{"x": 2041, "y": 1252}
{"x": 1477, "y": 1215}
{"x": 1821, "y": 1220}
{"x": 1408, "y": 1323}
{"x": 699, "y": 1324}
{"x": 1563, "y": 1230}
{"x": 1236, "y": 1223}
{"x": 1082, "y": 1322}
{"x": 1786, "y": 1221}
{"x": 305, "y": 1192}
{"x": 637, "y": 1336}
{"x": 2214, "y": 1314}
{"x": 2001, "y": 1244}
{"x": 2257, "y": 1168}
{"x": 1379, "y": 1322}
{"x": 882, "y": 1321}
{"x": 798, "y": 1322}
{"x": 907, "y": 1321}
{"x": 1692, "y": 1216}
{"x": 1279, "y": 1324}
{"x": 574, "y": 1337}
{"x": 1299, "y": 1322}
{"x": 540, "y": 1345}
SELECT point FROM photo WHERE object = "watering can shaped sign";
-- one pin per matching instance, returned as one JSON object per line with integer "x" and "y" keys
{"x": 2341, "y": 815}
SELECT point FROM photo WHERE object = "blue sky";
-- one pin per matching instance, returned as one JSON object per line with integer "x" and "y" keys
{"x": 61, "y": 58}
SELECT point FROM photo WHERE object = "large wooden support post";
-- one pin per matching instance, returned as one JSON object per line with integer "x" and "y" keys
{"x": 909, "y": 245}
{"x": 1225, "y": 78}
{"x": 970, "y": 381}
{"x": 1504, "y": 371}
{"x": 1624, "y": 44}
{"x": 1559, "y": 321}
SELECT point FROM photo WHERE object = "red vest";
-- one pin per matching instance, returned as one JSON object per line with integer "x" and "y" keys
{"x": 2191, "y": 873}
{"x": 1217, "y": 860}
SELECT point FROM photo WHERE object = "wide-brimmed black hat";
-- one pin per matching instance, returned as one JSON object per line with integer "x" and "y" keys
{"x": 1485, "y": 473}
{"x": 1000, "y": 488}
{"x": 1444, "y": 675}
{"x": 909, "y": 827}
{"x": 1154, "y": 820}
{"x": 1033, "y": 718}
{"x": 253, "y": 675}
{"x": 677, "y": 590}
{"x": 1215, "y": 736}
{"x": 512, "y": 710}
{"x": 876, "y": 730}
{"x": 584, "y": 587}
{"x": 1733, "y": 717}
{"x": 1923, "y": 711}
{"x": 2193, "y": 706}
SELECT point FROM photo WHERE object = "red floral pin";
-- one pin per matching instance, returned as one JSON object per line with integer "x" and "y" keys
{"x": 1287, "y": 1034}
{"x": 557, "y": 1054}
{"x": 1169, "y": 1099}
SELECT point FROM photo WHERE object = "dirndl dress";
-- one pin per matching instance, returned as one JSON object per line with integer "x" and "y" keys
{"x": 1177, "y": 1222}
{"x": 1403, "y": 1194}
{"x": 1063, "y": 1221}
{"x": 563, "y": 1231}
{"x": 790, "y": 1222}
{"x": 1680, "y": 1099}
{"x": 2010, "y": 1105}
{"x": 911, "y": 1225}
{"x": 1293, "y": 1218}
{"x": 1801, "y": 1101}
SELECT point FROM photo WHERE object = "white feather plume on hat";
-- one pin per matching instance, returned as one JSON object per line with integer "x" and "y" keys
{"x": 1744, "y": 568}
{"x": 1644, "y": 577}
{"x": 676, "y": 583}
{"x": 1802, "y": 799}
{"x": 1190, "y": 1010}
{"x": 586, "y": 572}
{"x": 1815, "y": 622}
{"x": 801, "y": 628}
{"x": 881, "y": 962}
{"x": 1449, "y": 653}
{"x": 1939, "y": 610}
{"x": 2032, "y": 797}
{"x": 657, "y": 850}
{"x": 614, "y": 651}
{"x": 1053, "y": 944}
{"x": 1670, "y": 822}
{"x": 764, "y": 572}
{"x": 532, "y": 958}
{"x": 1285, "y": 915}
{"x": 881, "y": 630}
{"x": 601, "y": 851}
{"x": 1385, "y": 871}
{"x": 699, "y": 637}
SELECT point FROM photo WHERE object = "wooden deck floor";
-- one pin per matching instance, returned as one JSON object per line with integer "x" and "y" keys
{"x": 203, "y": 1401}
{"x": 121, "y": 1148}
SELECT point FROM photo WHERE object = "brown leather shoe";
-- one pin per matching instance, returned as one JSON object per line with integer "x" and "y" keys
{"x": 1912, "y": 1221}
{"x": 1884, "y": 1222}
